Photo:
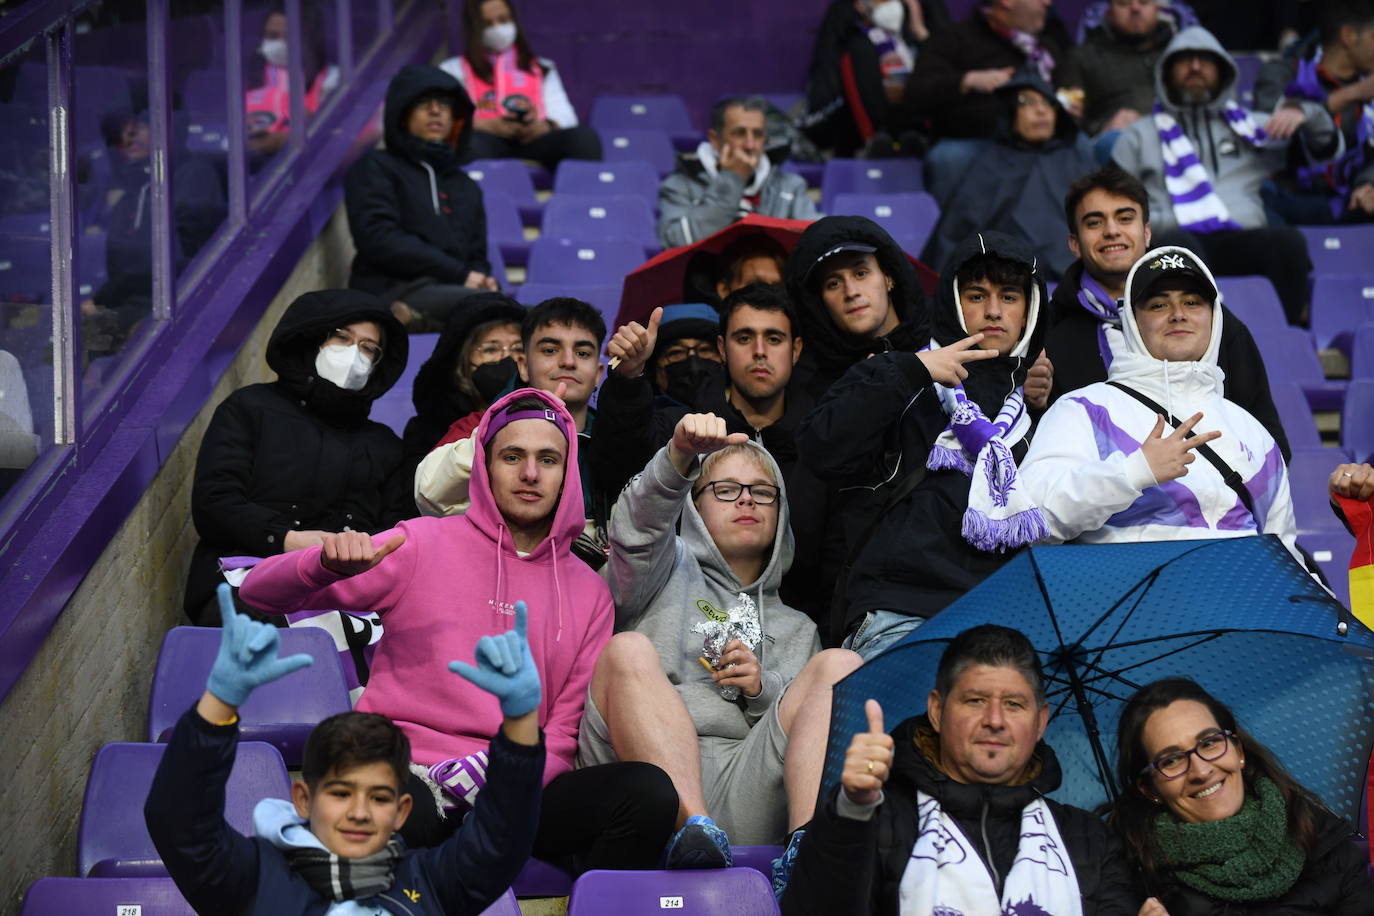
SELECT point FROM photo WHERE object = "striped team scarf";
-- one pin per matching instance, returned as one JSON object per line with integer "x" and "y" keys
{"x": 1105, "y": 308}
{"x": 1337, "y": 173}
{"x": 1196, "y": 204}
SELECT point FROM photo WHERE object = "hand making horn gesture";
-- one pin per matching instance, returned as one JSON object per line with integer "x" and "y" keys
{"x": 1169, "y": 456}
{"x": 946, "y": 364}
{"x": 868, "y": 762}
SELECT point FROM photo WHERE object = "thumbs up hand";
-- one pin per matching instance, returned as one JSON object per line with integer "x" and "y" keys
{"x": 868, "y": 762}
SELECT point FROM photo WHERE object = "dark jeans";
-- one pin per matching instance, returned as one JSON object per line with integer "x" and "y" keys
{"x": 1276, "y": 252}
{"x": 580, "y": 142}
{"x": 617, "y": 815}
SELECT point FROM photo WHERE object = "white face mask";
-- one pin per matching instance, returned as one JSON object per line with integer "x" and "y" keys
{"x": 888, "y": 15}
{"x": 274, "y": 50}
{"x": 500, "y": 37}
{"x": 344, "y": 366}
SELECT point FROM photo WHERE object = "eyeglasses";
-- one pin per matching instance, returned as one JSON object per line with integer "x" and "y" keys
{"x": 494, "y": 351}
{"x": 1212, "y": 746}
{"x": 676, "y": 353}
{"x": 727, "y": 491}
{"x": 368, "y": 348}
{"x": 1029, "y": 99}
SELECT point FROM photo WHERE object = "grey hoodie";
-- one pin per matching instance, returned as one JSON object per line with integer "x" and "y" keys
{"x": 663, "y": 585}
{"x": 1236, "y": 168}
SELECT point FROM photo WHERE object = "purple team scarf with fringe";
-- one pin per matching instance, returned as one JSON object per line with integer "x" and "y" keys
{"x": 1197, "y": 208}
{"x": 1336, "y": 174}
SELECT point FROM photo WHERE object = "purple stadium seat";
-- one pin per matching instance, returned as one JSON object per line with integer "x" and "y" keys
{"x": 281, "y": 713}
{"x": 1289, "y": 356}
{"x": 395, "y": 408}
{"x": 570, "y": 263}
{"x": 205, "y": 95}
{"x": 811, "y": 171}
{"x": 649, "y": 145}
{"x": 1296, "y": 415}
{"x": 1247, "y": 69}
{"x": 1254, "y": 301}
{"x": 1340, "y": 303}
{"x": 759, "y": 858}
{"x": 112, "y": 840}
{"x": 909, "y": 217}
{"x": 575, "y": 176}
{"x": 541, "y": 879}
{"x": 1362, "y": 353}
{"x": 737, "y": 891}
{"x": 1357, "y": 419}
{"x": 25, "y": 269}
{"x": 868, "y": 176}
{"x": 1332, "y": 549}
{"x": 505, "y": 905}
{"x": 1308, "y": 472}
{"x": 638, "y": 112}
{"x": 606, "y": 297}
{"x": 112, "y": 896}
{"x": 1339, "y": 249}
{"x": 505, "y": 231}
{"x": 586, "y": 217}
{"x": 509, "y": 177}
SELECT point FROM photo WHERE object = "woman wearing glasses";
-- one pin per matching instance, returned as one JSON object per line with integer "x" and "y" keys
{"x": 712, "y": 677}
{"x": 1216, "y": 823}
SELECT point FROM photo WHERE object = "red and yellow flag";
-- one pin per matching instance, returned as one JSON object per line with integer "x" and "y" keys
{"x": 1360, "y": 515}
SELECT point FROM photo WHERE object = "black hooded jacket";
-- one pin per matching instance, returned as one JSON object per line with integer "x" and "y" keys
{"x": 856, "y": 867}
{"x": 298, "y": 453}
{"x": 829, "y": 352}
{"x": 1017, "y": 187}
{"x": 1072, "y": 347}
{"x": 412, "y": 209}
{"x": 879, "y": 422}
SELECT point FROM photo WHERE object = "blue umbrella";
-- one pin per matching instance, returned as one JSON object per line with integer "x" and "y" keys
{"x": 1238, "y": 615}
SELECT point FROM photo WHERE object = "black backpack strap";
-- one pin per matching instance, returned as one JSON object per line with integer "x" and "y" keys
{"x": 1228, "y": 474}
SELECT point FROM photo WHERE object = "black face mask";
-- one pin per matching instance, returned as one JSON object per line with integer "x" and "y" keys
{"x": 490, "y": 379}
{"x": 686, "y": 376}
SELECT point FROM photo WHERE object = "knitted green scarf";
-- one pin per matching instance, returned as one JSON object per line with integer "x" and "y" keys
{"x": 1245, "y": 857}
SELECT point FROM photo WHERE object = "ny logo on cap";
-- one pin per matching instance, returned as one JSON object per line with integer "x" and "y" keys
{"x": 1170, "y": 262}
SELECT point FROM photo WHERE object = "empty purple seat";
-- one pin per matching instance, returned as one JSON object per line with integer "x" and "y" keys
{"x": 570, "y": 263}
{"x": 737, "y": 891}
{"x": 868, "y": 176}
{"x": 1362, "y": 352}
{"x": 393, "y": 413}
{"x": 587, "y": 217}
{"x": 1332, "y": 549}
{"x": 908, "y": 217}
{"x": 1254, "y": 301}
{"x": 1289, "y": 356}
{"x": 813, "y": 172}
{"x": 649, "y": 145}
{"x": 505, "y": 231}
{"x": 1296, "y": 415}
{"x": 112, "y": 840}
{"x": 576, "y": 176}
{"x": 1339, "y": 249}
{"x": 1308, "y": 473}
{"x": 759, "y": 858}
{"x": 509, "y": 177}
{"x": 1341, "y": 303}
{"x": 113, "y": 896}
{"x": 505, "y": 905}
{"x": 541, "y": 879}
{"x": 281, "y": 713}
{"x": 1357, "y": 419}
{"x": 605, "y": 297}
{"x": 664, "y": 112}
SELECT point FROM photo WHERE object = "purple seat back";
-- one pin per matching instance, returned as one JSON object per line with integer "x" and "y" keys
{"x": 759, "y": 858}
{"x": 65, "y": 896}
{"x": 813, "y": 172}
{"x": 570, "y": 263}
{"x": 660, "y": 112}
{"x": 606, "y": 297}
{"x": 541, "y": 879}
{"x": 597, "y": 217}
{"x": 1340, "y": 303}
{"x": 281, "y": 713}
{"x": 649, "y": 145}
{"x": 112, "y": 839}
{"x": 1362, "y": 352}
{"x": 509, "y": 177}
{"x": 1308, "y": 472}
{"x": 1296, "y": 415}
{"x": 1339, "y": 249}
{"x": 25, "y": 269}
{"x": 1254, "y": 301}
{"x": 576, "y": 176}
{"x": 1357, "y": 419}
{"x": 738, "y": 891}
{"x": 908, "y": 217}
{"x": 869, "y": 176}
{"x": 505, "y": 905}
{"x": 1332, "y": 549}
{"x": 505, "y": 231}
{"x": 1289, "y": 357}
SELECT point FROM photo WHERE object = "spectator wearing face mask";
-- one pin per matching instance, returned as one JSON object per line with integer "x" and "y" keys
{"x": 283, "y": 464}
{"x": 268, "y": 99}
{"x": 523, "y": 111}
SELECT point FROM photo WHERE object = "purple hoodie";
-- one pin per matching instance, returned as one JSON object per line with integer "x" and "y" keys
{"x": 455, "y": 580}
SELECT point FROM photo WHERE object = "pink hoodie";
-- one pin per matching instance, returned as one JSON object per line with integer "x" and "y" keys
{"x": 455, "y": 580}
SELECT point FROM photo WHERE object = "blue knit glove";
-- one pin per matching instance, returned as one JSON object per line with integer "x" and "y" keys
{"x": 247, "y": 654}
{"x": 505, "y": 668}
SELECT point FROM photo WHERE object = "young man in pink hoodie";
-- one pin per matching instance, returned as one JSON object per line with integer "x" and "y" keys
{"x": 440, "y": 583}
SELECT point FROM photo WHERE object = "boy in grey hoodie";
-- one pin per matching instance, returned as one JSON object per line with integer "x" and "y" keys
{"x": 711, "y": 676}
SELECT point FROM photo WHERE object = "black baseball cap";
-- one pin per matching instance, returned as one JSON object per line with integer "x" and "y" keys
{"x": 859, "y": 247}
{"x": 1171, "y": 268}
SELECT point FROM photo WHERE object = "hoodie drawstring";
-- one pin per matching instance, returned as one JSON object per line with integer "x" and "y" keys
{"x": 500, "y": 573}
{"x": 557, "y": 588}
{"x": 433, "y": 186}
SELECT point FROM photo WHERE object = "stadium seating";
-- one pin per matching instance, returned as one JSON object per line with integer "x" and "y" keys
{"x": 1254, "y": 301}
{"x": 505, "y": 231}
{"x": 605, "y": 297}
{"x": 575, "y": 176}
{"x": 1296, "y": 415}
{"x": 112, "y": 840}
{"x": 111, "y": 896}
{"x": 282, "y": 713}
{"x": 1308, "y": 472}
{"x": 542, "y": 879}
{"x": 1339, "y": 249}
{"x": 509, "y": 177}
{"x": 868, "y": 176}
{"x": 1357, "y": 420}
{"x": 908, "y": 217}
{"x": 1362, "y": 352}
{"x": 637, "y": 112}
{"x": 1341, "y": 303}
{"x": 594, "y": 218}
{"x": 1331, "y": 550}
{"x": 1289, "y": 356}
{"x": 639, "y": 144}
{"x": 737, "y": 891}
{"x": 759, "y": 858}
{"x": 571, "y": 263}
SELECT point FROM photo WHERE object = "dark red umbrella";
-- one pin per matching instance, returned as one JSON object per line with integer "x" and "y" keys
{"x": 658, "y": 281}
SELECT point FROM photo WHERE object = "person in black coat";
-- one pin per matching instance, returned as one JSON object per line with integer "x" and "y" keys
{"x": 282, "y": 463}
{"x": 1257, "y": 843}
{"x": 884, "y": 433}
{"x": 417, "y": 219}
{"x": 962, "y": 777}
{"x": 1108, "y": 214}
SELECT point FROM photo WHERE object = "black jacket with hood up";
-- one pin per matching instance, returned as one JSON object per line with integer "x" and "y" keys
{"x": 1072, "y": 347}
{"x": 412, "y": 209}
{"x": 880, "y": 421}
{"x": 856, "y": 867}
{"x": 298, "y": 453}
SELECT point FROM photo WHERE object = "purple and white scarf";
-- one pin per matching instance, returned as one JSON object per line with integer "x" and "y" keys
{"x": 1037, "y": 55}
{"x": 1103, "y": 306}
{"x": 1336, "y": 173}
{"x": 999, "y": 516}
{"x": 1196, "y": 204}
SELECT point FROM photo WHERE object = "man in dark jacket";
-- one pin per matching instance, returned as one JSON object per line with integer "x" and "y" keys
{"x": 1114, "y": 66}
{"x": 948, "y": 814}
{"x": 1108, "y": 213}
{"x": 283, "y": 463}
{"x": 924, "y": 446}
{"x": 335, "y": 842}
{"x": 417, "y": 218}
